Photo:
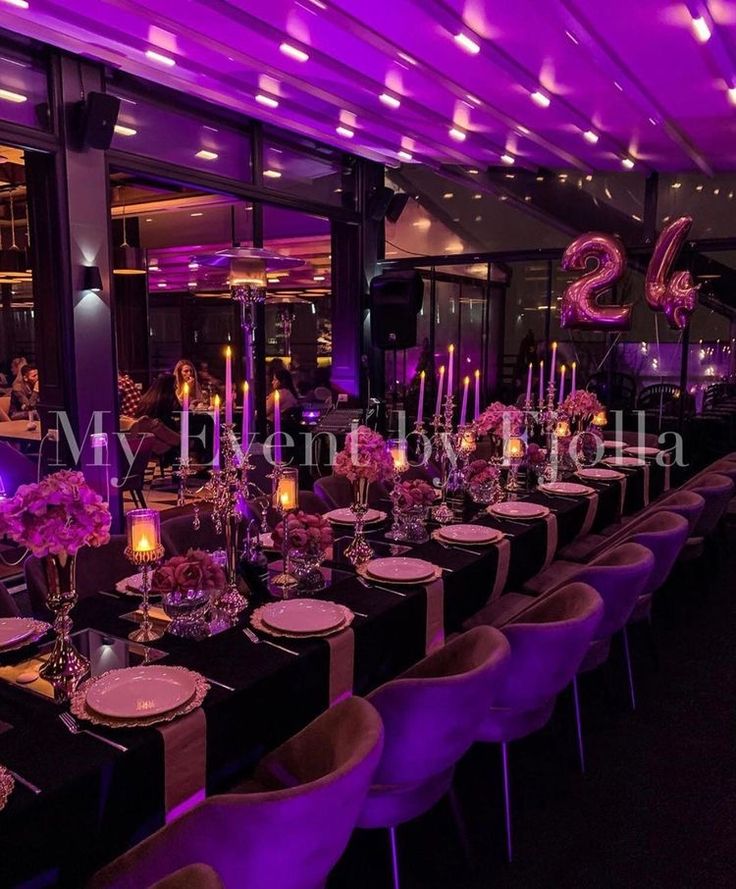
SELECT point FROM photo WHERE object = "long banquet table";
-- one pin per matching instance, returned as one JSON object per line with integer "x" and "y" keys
{"x": 97, "y": 801}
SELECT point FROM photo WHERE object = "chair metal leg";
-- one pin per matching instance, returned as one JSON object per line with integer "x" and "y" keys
{"x": 630, "y": 672}
{"x": 578, "y": 723}
{"x": 507, "y": 799}
{"x": 394, "y": 857}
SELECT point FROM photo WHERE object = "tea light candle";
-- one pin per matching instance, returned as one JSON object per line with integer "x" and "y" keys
{"x": 515, "y": 448}
{"x": 600, "y": 419}
{"x": 397, "y": 450}
{"x": 277, "y": 426}
{"x": 562, "y": 429}
{"x": 143, "y": 530}
{"x": 420, "y": 407}
{"x": 185, "y": 424}
{"x": 529, "y": 384}
{"x": 245, "y": 435}
{"x": 286, "y": 495}
{"x": 450, "y": 368}
{"x": 438, "y": 406}
{"x": 216, "y": 434}
{"x": 562, "y": 384}
{"x": 477, "y": 395}
{"x": 464, "y": 408}
{"x": 228, "y": 385}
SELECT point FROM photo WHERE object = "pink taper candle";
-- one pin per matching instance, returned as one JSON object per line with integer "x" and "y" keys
{"x": 529, "y": 384}
{"x": 450, "y": 369}
{"x": 573, "y": 380}
{"x": 228, "y": 385}
{"x": 477, "y": 395}
{"x": 464, "y": 408}
{"x": 185, "y": 424}
{"x": 553, "y": 364}
{"x": 216, "y": 436}
{"x": 541, "y": 381}
{"x": 420, "y": 407}
{"x": 277, "y": 425}
{"x": 562, "y": 383}
{"x": 245, "y": 437}
{"x": 440, "y": 383}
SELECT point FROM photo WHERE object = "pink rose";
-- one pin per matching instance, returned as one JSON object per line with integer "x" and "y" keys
{"x": 188, "y": 576}
{"x": 162, "y": 580}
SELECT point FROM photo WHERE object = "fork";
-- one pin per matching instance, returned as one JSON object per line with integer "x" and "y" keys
{"x": 256, "y": 640}
{"x": 463, "y": 549}
{"x": 375, "y": 586}
{"x": 71, "y": 723}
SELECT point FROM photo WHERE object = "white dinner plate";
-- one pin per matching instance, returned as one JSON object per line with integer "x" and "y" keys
{"x": 623, "y": 461}
{"x": 519, "y": 509}
{"x": 615, "y": 444}
{"x": 346, "y": 517}
{"x": 469, "y": 534}
{"x": 15, "y": 629}
{"x": 400, "y": 569}
{"x": 642, "y": 452}
{"x": 141, "y": 691}
{"x": 567, "y": 489}
{"x": 601, "y": 475}
{"x": 303, "y": 616}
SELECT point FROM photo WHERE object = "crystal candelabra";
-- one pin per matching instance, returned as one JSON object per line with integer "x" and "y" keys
{"x": 397, "y": 450}
{"x": 285, "y": 500}
{"x": 442, "y": 513}
{"x": 185, "y": 470}
{"x": 225, "y": 491}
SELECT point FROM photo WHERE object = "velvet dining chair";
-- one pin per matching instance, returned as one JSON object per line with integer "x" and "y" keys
{"x": 285, "y": 828}
{"x": 98, "y": 568}
{"x": 178, "y": 534}
{"x": 548, "y": 644}
{"x": 716, "y": 489}
{"x": 337, "y": 492}
{"x": 195, "y": 876}
{"x": 431, "y": 715}
{"x": 8, "y": 608}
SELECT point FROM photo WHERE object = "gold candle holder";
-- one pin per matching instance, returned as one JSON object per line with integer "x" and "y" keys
{"x": 285, "y": 499}
{"x": 397, "y": 450}
{"x": 144, "y": 550}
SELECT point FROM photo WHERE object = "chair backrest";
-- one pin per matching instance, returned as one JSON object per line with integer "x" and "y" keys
{"x": 721, "y": 467}
{"x": 688, "y": 504}
{"x": 141, "y": 445}
{"x": 98, "y": 568}
{"x": 716, "y": 490}
{"x": 287, "y": 837}
{"x": 337, "y": 491}
{"x": 178, "y": 535}
{"x": 432, "y": 712}
{"x": 15, "y": 468}
{"x": 548, "y": 646}
{"x": 634, "y": 439}
{"x": 664, "y": 533}
{"x": 312, "y": 503}
{"x": 619, "y": 576}
{"x": 668, "y": 394}
{"x": 8, "y": 608}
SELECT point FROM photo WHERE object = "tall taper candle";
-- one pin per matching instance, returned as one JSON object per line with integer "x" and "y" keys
{"x": 450, "y": 368}
{"x": 228, "y": 385}
{"x": 529, "y": 384}
{"x": 573, "y": 380}
{"x": 277, "y": 425}
{"x": 553, "y": 364}
{"x": 440, "y": 383}
{"x": 245, "y": 436}
{"x": 541, "y": 381}
{"x": 477, "y": 395}
{"x": 185, "y": 424}
{"x": 420, "y": 407}
{"x": 464, "y": 408}
{"x": 216, "y": 435}
{"x": 562, "y": 384}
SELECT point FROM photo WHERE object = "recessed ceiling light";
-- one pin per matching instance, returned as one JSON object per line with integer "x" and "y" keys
{"x": 473, "y": 98}
{"x": 319, "y": 4}
{"x": 466, "y": 43}
{"x": 503, "y": 197}
{"x": 677, "y": 185}
{"x": 457, "y": 134}
{"x": 193, "y": 265}
{"x": 196, "y": 214}
{"x": 318, "y": 278}
{"x": 540, "y": 178}
{"x": 162, "y": 283}
{"x": 477, "y": 197}
{"x": 160, "y": 58}
{"x": 698, "y": 188}
{"x": 267, "y": 101}
{"x": 10, "y": 96}
{"x": 618, "y": 85}
{"x": 716, "y": 191}
{"x": 149, "y": 219}
{"x": 20, "y": 4}
{"x": 272, "y": 174}
{"x": 344, "y": 131}
{"x": 508, "y": 159}
{"x": 652, "y": 121}
{"x": 637, "y": 218}
{"x": 122, "y": 130}
{"x": 572, "y": 37}
{"x": 447, "y": 195}
{"x": 590, "y": 136}
{"x": 627, "y": 162}
{"x": 562, "y": 177}
{"x": 732, "y": 94}
{"x": 473, "y": 172}
{"x": 478, "y": 218}
{"x": 191, "y": 283}
{"x": 540, "y": 98}
{"x": 390, "y": 100}
{"x": 509, "y": 175}
{"x": 701, "y": 29}
{"x": 404, "y": 155}
{"x": 407, "y": 58}
{"x": 589, "y": 177}
{"x": 293, "y": 52}
{"x": 527, "y": 197}
{"x": 153, "y": 266}
{"x": 206, "y": 155}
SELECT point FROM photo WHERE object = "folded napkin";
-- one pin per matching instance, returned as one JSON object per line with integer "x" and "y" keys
{"x": 551, "y": 523}
{"x": 342, "y": 665}
{"x": 622, "y": 483}
{"x": 646, "y": 470}
{"x": 185, "y": 762}
{"x": 590, "y": 515}
{"x": 435, "y": 627}
{"x": 502, "y": 568}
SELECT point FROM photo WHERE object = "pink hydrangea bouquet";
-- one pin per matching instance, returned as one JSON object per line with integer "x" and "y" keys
{"x": 60, "y": 514}
{"x": 364, "y": 457}
{"x": 499, "y": 419}
{"x": 197, "y": 570}
{"x": 536, "y": 456}
{"x": 304, "y": 531}
{"x": 415, "y": 493}
{"x": 582, "y": 404}
{"x": 480, "y": 472}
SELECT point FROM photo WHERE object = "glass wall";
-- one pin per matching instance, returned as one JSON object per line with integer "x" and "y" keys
{"x": 24, "y": 97}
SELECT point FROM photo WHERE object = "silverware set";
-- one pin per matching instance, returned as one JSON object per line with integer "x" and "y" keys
{"x": 256, "y": 640}
{"x": 376, "y": 586}
{"x": 463, "y": 549}
{"x": 19, "y": 779}
{"x": 75, "y": 729}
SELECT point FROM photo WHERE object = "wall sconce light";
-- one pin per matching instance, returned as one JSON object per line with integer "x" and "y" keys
{"x": 92, "y": 279}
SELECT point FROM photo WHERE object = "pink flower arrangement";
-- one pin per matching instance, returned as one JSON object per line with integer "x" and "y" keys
{"x": 60, "y": 514}
{"x": 536, "y": 456}
{"x": 480, "y": 472}
{"x": 197, "y": 570}
{"x": 304, "y": 531}
{"x": 415, "y": 493}
{"x": 582, "y": 404}
{"x": 364, "y": 457}
{"x": 499, "y": 419}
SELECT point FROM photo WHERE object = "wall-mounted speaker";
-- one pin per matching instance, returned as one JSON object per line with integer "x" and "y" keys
{"x": 396, "y": 206}
{"x": 395, "y": 300}
{"x": 98, "y": 114}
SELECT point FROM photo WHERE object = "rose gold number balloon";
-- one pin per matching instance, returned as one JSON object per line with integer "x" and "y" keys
{"x": 677, "y": 295}
{"x": 580, "y": 309}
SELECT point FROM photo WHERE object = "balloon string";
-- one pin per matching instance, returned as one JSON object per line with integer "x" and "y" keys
{"x": 613, "y": 346}
{"x": 659, "y": 368}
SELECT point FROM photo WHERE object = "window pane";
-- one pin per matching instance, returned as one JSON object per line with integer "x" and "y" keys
{"x": 710, "y": 201}
{"x": 317, "y": 173}
{"x": 23, "y": 90}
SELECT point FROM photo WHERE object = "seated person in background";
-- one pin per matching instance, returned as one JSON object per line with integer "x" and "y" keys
{"x": 16, "y": 365}
{"x": 184, "y": 372}
{"x": 24, "y": 395}
{"x": 129, "y": 395}
{"x": 206, "y": 378}
{"x": 287, "y": 393}
{"x": 158, "y": 415}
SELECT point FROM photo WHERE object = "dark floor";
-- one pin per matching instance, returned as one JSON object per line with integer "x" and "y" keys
{"x": 657, "y": 807}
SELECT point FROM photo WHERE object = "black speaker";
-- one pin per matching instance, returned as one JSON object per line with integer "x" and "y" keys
{"x": 396, "y": 206}
{"x": 98, "y": 115}
{"x": 395, "y": 300}
{"x": 379, "y": 203}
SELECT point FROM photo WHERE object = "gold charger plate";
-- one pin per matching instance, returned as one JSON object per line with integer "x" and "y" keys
{"x": 362, "y": 571}
{"x": 40, "y": 628}
{"x": 257, "y": 622}
{"x": 437, "y": 535}
{"x": 7, "y": 783}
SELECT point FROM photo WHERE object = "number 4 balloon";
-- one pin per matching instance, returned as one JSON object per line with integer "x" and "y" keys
{"x": 677, "y": 295}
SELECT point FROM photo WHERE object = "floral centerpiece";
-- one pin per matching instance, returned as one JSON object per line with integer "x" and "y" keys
{"x": 187, "y": 585}
{"x": 307, "y": 538}
{"x": 415, "y": 493}
{"x": 54, "y": 518}
{"x": 535, "y": 459}
{"x": 500, "y": 421}
{"x": 482, "y": 481}
{"x": 413, "y": 498}
{"x": 363, "y": 461}
{"x": 581, "y": 407}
